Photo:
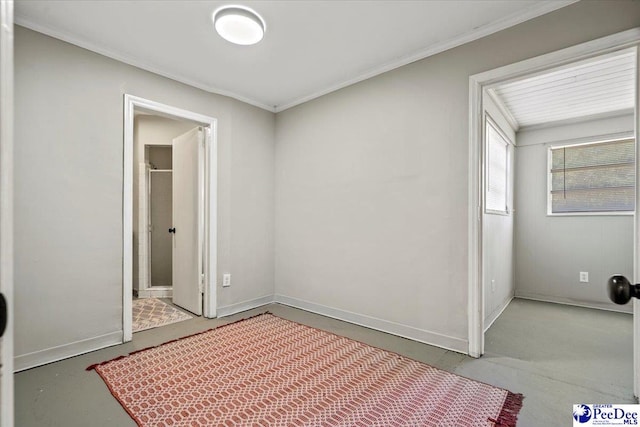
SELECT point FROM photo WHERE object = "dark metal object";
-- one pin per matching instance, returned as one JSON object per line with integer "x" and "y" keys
{"x": 621, "y": 290}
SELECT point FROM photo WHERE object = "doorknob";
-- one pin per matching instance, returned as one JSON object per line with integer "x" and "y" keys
{"x": 3, "y": 314}
{"x": 620, "y": 290}
{"x": 172, "y": 230}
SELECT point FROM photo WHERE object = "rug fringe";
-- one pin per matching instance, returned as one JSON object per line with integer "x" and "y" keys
{"x": 95, "y": 365}
{"x": 509, "y": 414}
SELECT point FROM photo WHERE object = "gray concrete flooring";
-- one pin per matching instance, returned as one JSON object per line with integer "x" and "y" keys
{"x": 555, "y": 355}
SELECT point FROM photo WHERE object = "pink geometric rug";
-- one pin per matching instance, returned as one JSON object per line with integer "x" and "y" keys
{"x": 268, "y": 371}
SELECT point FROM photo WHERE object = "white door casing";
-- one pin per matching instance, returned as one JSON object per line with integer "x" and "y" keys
{"x": 133, "y": 104}
{"x": 187, "y": 220}
{"x": 477, "y": 85}
{"x": 6, "y": 208}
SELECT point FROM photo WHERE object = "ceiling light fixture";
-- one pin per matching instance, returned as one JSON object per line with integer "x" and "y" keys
{"x": 239, "y": 24}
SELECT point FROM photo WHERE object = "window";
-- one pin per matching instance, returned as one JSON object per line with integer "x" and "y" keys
{"x": 595, "y": 177}
{"x": 497, "y": 186}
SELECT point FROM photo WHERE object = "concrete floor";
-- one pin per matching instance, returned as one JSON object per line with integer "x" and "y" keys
{"x": 555, "y": 355}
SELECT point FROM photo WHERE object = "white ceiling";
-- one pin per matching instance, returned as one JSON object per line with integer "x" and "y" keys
{"x": 310, "y": 47}
{"x": 601, "y": 86}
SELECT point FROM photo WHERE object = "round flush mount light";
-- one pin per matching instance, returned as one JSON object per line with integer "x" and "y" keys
{"x": 239, "y": 24}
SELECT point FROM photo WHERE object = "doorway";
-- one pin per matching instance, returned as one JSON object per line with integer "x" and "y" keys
{"x": 192, "y": 160}
{"x": 479, "y": 85}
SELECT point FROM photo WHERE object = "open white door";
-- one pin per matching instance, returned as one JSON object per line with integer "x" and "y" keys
{"x": 6, "y": 210}
{"x": 636, "y": 238}
{"x": 188, "y": 220}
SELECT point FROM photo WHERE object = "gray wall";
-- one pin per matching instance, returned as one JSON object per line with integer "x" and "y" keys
{"x": 161, "y": 245}
{"x": 552, "y": 250}
{"x": 372, "y": 181}
{"x": 68, "y": 203}
{"x": 497, "y": 253}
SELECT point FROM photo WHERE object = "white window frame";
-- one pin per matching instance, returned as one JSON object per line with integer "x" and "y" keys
{"x": 569, "y": 144}
{"x": 489, "y": 121}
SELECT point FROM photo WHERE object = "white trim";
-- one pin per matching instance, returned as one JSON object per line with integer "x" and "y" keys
{"x": 421, "y": 335}
{"x": 576, "y": 120}
{"x": 131, "y": 104}
{"x": 538, "y": 9}
{"x": 53, "y": 354}
{"x": 497, "y": 313}
{"x": 506, "y": 113}
{"x": 239, "y": 307}
{"x": 528, "y": 67}
{"x": 636, "y": 238}
{"x": 136, "y": 62}
{"x": 155, "y": 292}
{"x": 211, "y": 224}
{"x": 6, "y": 207}
{"x": 127, "y": 222}
{"x": 582, "y": 140}
{"x": 475, "y": 301}
{"x": 589, "y": 140}
{"x": 479, "y": 82}
{"x": 572, "y": 303}
{"x": 478, "y": 33}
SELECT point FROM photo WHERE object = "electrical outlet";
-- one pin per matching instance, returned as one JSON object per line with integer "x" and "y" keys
{"x": 584, "y": 277}
{"x": 493, "y": 285}
{"x": 226, "y": 280}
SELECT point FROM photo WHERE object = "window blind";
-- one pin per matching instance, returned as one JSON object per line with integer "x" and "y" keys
{"x": 497, "y": 171}
{"x": 596, "y": 177}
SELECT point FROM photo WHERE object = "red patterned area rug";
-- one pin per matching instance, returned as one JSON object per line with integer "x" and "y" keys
{"x": 268, "y": 371}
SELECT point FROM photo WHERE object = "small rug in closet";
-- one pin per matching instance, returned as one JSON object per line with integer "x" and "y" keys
{"x": 151, "y": 312}
{"x": 271, "y": 372}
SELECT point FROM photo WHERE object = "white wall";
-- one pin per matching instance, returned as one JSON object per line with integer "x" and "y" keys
{"x": 497, "y": 252}
{"x": 372, "y": 182}
{"x": 552, "y": 250}
{"x": 68, "y": 204}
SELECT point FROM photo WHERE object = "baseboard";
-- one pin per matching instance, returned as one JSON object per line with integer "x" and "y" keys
{"x": 574, "y": 303}
{"x": 432, "y": 338}
{"x": 159, "y": 292}
{"x": 53, "y": 354}
{"x": 228, "y": 310}
{"x": 496, "y": 313}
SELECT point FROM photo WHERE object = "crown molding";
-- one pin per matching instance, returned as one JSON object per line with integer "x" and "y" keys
{"x": 483, "y": 31}
{"x": 539, "y": 9}
{"x": 135, "y": 62}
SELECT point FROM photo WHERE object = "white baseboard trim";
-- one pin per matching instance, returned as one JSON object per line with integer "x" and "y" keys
{"x": 228, "y": 310}
{"x": 432, "y": 338}
{"x": 496, "y": 313}
{"x": 53, "y": 354}
{"x": 159, "y": 292}
{"x": 574, "y": 303}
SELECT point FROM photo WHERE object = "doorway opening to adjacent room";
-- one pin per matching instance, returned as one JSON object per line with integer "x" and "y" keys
{"x": 169, "y": 208}
{"x": 490, "y": 88}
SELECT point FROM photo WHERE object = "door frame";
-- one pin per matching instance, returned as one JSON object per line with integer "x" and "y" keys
{"x": 131, "y": 105}
{"x": 478, "y": 84}
{"x": 6, "y": 206}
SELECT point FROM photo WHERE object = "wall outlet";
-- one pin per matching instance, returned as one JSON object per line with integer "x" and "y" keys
{"x": 226, "y": 280}
{"x": 493, "y": 285}
{"x": 584, "y": 277}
